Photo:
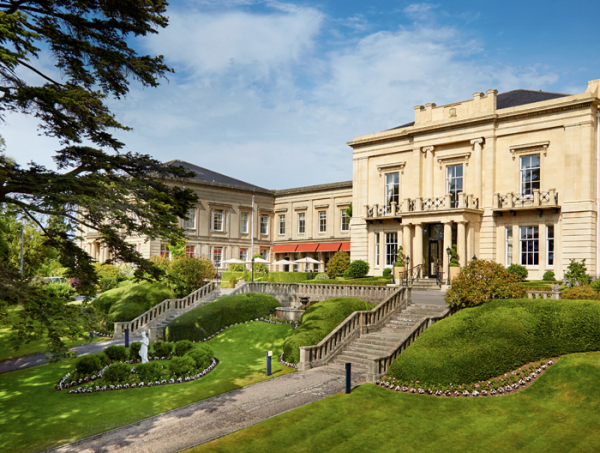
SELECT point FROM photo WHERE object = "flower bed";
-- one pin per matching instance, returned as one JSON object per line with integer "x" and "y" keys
{"x": 502, "y": 385}
{"x": 283, "y": 362}
{"x": 102, "y": 334}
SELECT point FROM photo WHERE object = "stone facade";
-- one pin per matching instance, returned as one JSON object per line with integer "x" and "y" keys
{"x": 511, "y": 178}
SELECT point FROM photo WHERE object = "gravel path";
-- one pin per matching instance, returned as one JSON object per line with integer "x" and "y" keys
{"x": 209, "y": 419}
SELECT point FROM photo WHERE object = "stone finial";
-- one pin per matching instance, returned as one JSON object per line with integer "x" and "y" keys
{"x": 418, "y": 113}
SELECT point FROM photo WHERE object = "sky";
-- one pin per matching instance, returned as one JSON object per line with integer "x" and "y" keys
{"x": 270, "y": 92}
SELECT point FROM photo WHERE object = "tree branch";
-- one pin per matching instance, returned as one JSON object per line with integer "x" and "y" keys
{"x": 40, "y": 73}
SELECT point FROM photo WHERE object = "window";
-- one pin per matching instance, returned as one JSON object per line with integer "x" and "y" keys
{"x": 264, "y": 254}
{"x": 296, "y": 267}
{"x": 190, "y": 250}
{"x": 244, "y": 222}
{"x": 529, "y": 246}
{"x": 392, "y": 189}
{"x": 454, "y": 183}
{"x": 190, "y": 222}
{"x": 218, "y": 220}
{"x": 218, "y": 256}
{"x": 391, "y": 246}
{"x": 301, "y": 223}
{"x": 550, "y": 244}
{"x": 322, "y": 221}
{"x": 377, "y": 249}
{"x": 345, "y": 221}
{"x": 530, "y": 174}
{"x": 134, "y": 218}
{"x": 164, "y": 251}
{"x": 509, "y": 245}
{"x": 264, "y": 224}
{"x": 243, "y": 254}
{"x": 282, "y": 224}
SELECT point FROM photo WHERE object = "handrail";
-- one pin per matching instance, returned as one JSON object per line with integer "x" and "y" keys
{"x": 379, "y": 366}
{"x": 352, "y": 327}
{"x": 411, "y": 274}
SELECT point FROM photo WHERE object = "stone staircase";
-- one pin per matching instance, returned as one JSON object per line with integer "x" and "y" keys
{"x": 425, "y": 284}
{"x": 378, "y": 344}
{"x": 160, "y": 325}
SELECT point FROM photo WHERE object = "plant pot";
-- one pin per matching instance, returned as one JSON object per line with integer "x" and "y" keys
{"x": 397, "y": 271}
{"x": 454, "y": 271}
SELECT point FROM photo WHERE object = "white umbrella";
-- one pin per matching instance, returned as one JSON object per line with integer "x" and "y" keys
{"x": 280, "y": 262}
{"x": 307, "y": 260}
{"x": 234, "y": 261}
{"x": 257, "y": 260}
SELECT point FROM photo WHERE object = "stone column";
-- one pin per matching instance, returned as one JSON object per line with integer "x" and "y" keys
{"x": 477, "y": 170}
{"x": 407, "y": 241}
{"x": 417, "y": 257}
{"x": 461, "y": 241}
{"x": 428, "y": 150}
{"x": 447, "y": 244}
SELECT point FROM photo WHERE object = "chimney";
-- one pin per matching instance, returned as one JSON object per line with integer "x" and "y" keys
{"x": 419, "y": 114}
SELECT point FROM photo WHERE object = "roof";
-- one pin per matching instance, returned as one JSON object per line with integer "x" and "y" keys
{"x": 206, "y": 175}
{"x": 316, "y": 188}
{"x": 512, "y": 99}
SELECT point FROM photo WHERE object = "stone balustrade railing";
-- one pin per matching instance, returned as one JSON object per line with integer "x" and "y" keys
{"x": 537, "y": 199}
{"x": 543, "y": 294}
{"x": 358, "y": 323}
{"x": 164, "y": 310}
{"x": 410, "y": 205}
{"x": 380, "y": 366}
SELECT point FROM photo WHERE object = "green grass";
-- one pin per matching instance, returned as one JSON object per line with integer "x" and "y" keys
{"x": 34, "y": 417}
{"x": 557, "y": 414}
{"x": 489, "y": 340}
{"x": 35, "y": 346}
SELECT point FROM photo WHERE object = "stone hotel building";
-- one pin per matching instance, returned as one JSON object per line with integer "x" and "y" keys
{"x": 510, "y": 177}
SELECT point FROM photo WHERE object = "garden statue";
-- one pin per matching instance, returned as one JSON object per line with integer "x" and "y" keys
{"x": 144, "y": 348}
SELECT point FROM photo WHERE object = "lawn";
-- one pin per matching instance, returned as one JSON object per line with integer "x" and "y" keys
{"x": 559, "y": 413}
{"x": 34, "y": 417}
{"x": 39, "y": 345}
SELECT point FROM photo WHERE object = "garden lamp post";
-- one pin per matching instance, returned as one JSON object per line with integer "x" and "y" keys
{"x": 252, "y": 269}
{"x": 448, "y": 252}
{"x": 474, "y": 258}
{"x": 407, "y": 268}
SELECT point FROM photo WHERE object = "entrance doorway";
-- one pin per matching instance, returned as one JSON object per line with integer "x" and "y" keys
{"x": 434, "y": 249}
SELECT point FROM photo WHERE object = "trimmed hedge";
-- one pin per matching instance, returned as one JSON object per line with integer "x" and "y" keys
{"x": 486, "y": 341}
{"x": 318, "y": 321}
{"x": 277, "y": 277}
{"x": 369, "y": 281}
{"x": 208, "y": 319}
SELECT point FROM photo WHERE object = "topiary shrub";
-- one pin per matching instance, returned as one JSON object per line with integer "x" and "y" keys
{"x": 454, "y": 257}
{"x": 577, "y": 272}
{"x": 117, "y": 372}
{"x": 399, "y": 257}
{"x": 134, "y": 349}
{"x": 116, "y": 352}
{"x": 357, "y": 269}
{"x": 151, "y": 371}
{"x": 387, "y": 272}
{"x": 162, "y": 349}
{"x": 201, "y": 356}
{"x": 181, "y": 366}
{"x": 481, "y": 281}
{"x": 584, "y": 292}
{"x": 183, "y": 346}
{"x": 347, "y": 273}
{"x": 517, "y": 269}
{"x": 549, "y": 276}
{"x": 88, "y": 364}
{"x": 338, "y": 264}
{"x": 322, "y": 276}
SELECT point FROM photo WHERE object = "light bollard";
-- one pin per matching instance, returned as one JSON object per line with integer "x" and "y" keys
{"x": 269, "y": 354}
{"x": 126, "y": 338}
{"x": 91, "y": 335}
{"x": 348, "y": 377}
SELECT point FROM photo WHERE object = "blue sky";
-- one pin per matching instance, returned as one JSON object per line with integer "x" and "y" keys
{"x": 270, "y": 91}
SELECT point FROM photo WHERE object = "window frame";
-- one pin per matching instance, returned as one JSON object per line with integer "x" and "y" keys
{"x": 387, "y": 202}
{"x": 531, "y": 245}
{"x": 509, "y": 245}
{"x": 550, "y": 245}
{"x": 390, "y": 249}
{"x": 454, "y": 192}
{"x": 377, "y": 247}
{"x": 303, "y": 220}
{"x": 164, "y": 251}
{"x": 213, "y": 219}
{"x": 221, "y": 255}
{"x": 244, "y": 217}
{"x": 346, "y": 217}
{"x": 265, "y": 224}
{"x": 281, "y": 223}
{"x": 245, "y": 254}
{"x": 522, "y": 172}
{"x": 193, "y": 220}
{"x": 322, "y": 222}
{"x": 190, "y": 251}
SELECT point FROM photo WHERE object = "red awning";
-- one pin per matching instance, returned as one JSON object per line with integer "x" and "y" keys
{"x": 307, "y": 247}
{"x": 345, "y": 247}
{"x": 329, "y": 247}
{"x": 284, "y": 248}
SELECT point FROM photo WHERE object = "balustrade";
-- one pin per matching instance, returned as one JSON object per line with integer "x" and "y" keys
{"x": 535, "y": 200}
{"x": 413, "y": 205}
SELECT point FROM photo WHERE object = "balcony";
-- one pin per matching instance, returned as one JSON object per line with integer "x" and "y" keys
{"x": 420, "y": 205}
{"x": 513, "y": 202}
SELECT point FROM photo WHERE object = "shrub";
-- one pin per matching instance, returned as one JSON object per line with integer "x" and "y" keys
{"x": 480, "y": 281}
{"x": 577, "y": 272}
{"x": 88, "y": 364}
{"x": 259, "y": 267}
{"x": 151, "y": 371}
{"x": 520, "y": 271}
{"x": 187, "y": 274}
{"x": 59, "y": 290}
{"x": 117, "y": 372}
{"x": 387, "y": 272}
{"x": 338, "y": 264}
{"x": 454, "y": 257}
{"x": 206, "y": 320}
{"x": 247, "y": 276}
{"x": 490, "y": 340}
{"x": 108, "y": 283}
{"x": 322, "y": 276}
{"x": 134, "y": 349}
{"x": 348, "y": 274}
{"x": 358, "y": 269}
{"x": 116, "y": 352}
{"x": 596, "y": 285}
{"x": 236, "y": 267}
{"x": 125, "y": 283}
{"x": 201, "y": 357}
{"x": 182, "y": 365}
{"x": 232, "y": 281}
{"x": 318, "y": 321}
{"x": 580, "y": 293}
{"x": 162, "y": 262}
{"x": 162, "y": 349}
{"x": 548, "y": 276}
{"x": 183, "y": 346}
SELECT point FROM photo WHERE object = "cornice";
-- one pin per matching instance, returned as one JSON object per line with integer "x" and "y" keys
{"x": 384, "y": 168}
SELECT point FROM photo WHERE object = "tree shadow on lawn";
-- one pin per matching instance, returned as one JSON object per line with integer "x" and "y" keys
{"x": 35, "y": 417}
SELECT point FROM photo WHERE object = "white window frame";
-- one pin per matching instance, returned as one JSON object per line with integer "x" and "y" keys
{"x": 221, "y": 257}
{"x": 376, "y": 249}
{"x": 454, "y": 178}
{"x": 345, "y": 217}
{"x": 165, "y": 248}
{"x": 264, "y": 231}
{"x": 509, "y": 245}
{"x": 193, "y": 247}
{"x": 244, "y": 216}
{"x": 391, "y": 247}
{"x": 264, "y": 254}
{"x": 244, "y": 256}
{"x": 190, "y": 223}
{"x": 322, "y": 222}
{"x": 522, "y": 170}
{"x": 223, "y": 215}
{"x": 550, "y": 244}
{"x": 387, "y": 202}
{"x": 281, "y": 224}
{"x": 302, "y": 221}
{"x": 530, "y": 246}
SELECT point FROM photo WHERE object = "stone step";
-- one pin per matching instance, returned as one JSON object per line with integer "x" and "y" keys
{"x": 343, "y": 358}
{"x": 367, "y": 348}
{"x": 360, "y": 367}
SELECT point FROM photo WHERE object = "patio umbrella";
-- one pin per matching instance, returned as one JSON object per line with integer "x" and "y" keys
{"x": 282, "y": 262}
{"x": 306, "y": 261}
{"x": 234, "y": 261}
{"x": 259, "y": 260}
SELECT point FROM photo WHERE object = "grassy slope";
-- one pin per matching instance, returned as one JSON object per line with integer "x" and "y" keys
{"x": 40, "y": 345}
{"x": 34, "y": 417}
{"x": 559, "y": 413}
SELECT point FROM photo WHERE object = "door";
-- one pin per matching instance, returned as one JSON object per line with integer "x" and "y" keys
{"x": 435, "y": 249}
